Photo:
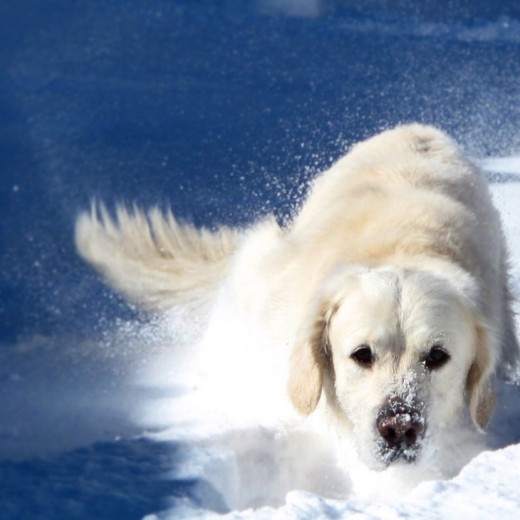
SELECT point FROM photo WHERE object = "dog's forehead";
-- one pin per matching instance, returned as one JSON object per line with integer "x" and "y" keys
{"x": 393, "y": 302}
{"x": 372, "y": 303}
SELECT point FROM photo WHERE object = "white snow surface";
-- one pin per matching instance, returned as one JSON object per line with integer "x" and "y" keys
{"x": 486, "y": 488}
{"x": 226, "y": 401}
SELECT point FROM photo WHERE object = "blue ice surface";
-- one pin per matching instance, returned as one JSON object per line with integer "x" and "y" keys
{"x": 222, "y": 111}
{"x": 119, "y": 480}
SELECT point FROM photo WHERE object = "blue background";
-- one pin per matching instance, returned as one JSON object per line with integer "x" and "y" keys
{"x": 222, "y": 111}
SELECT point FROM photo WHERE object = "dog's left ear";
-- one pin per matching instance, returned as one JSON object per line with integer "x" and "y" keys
{"x": 307, "y": 362}
{"x": 479, "y": 385}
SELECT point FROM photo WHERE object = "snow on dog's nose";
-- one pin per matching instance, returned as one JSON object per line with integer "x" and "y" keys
{"x": 400, "y": 427}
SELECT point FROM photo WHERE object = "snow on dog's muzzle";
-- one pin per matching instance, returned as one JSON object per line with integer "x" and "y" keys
{"x": 400, "y": 428}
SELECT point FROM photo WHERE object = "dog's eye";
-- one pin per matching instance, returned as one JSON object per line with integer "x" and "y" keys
{"x": 363, "y": 356}
{"x": 436, "y": 358}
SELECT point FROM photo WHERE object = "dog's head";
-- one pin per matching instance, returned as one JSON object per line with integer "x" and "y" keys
{"x": 398, "y": 355}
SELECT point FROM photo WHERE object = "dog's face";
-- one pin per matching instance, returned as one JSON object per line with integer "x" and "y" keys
{"x": 399, "y": 356}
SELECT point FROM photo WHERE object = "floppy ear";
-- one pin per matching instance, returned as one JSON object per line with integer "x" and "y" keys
{"x": 479, "y": 386}
{"x": 307, "y": 362}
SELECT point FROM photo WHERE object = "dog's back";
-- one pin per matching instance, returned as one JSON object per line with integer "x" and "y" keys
{"x": 410, "y": 192}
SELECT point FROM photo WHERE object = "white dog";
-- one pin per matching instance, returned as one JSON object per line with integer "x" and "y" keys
{"x": 389, "y": 288}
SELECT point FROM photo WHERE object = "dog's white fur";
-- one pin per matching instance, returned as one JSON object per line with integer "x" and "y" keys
{"x": 397, "y": 247}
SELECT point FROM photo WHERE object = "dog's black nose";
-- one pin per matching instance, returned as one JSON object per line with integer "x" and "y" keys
{"x": 400, "y": 426}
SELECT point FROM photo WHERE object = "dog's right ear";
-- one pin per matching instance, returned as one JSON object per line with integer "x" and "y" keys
{"x": 307, "y": 362}
{"x": 310, "y": 355}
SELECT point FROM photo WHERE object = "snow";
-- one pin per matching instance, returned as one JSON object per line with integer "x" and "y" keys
{"x": 264, "y": 464}
{"x": 485, "y": 488}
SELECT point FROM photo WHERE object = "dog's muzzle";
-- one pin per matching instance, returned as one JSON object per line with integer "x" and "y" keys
{"x": 400, "y": 428}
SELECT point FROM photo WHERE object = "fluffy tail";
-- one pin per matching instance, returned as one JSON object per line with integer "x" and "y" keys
{"x": 154, "y": 261}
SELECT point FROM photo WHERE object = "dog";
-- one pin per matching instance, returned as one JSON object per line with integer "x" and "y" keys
{"x": 388, "y": 291}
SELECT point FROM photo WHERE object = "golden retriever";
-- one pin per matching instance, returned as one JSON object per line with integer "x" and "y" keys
{"x": 389, "y": 289}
